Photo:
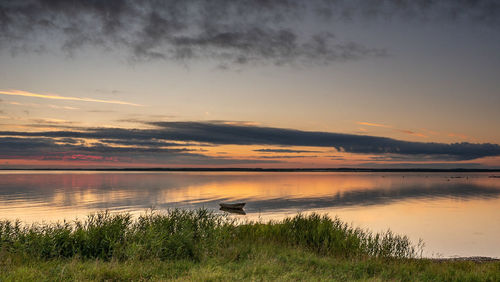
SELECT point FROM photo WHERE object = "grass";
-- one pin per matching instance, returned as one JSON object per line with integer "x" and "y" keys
{"x": 201, "y": 245}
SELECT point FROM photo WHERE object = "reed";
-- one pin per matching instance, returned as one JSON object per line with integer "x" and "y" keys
{"x": 207, "y": 246}
{"x": 192, "y": 234}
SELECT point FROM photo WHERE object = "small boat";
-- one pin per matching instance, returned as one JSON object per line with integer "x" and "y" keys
{"x": 237, "y": 206}
{"x": 236, "y": 211}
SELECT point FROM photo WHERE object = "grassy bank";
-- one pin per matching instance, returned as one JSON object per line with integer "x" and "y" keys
{"x": 201, "y": 245}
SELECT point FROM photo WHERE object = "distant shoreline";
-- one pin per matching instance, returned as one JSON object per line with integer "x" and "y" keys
{"x": 471, "y": 259}
{"x": 189, "y": 169}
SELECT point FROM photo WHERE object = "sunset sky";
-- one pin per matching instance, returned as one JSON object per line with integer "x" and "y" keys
{"x": 225, "y": 83}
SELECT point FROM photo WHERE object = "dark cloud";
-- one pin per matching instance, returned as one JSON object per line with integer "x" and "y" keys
{"x": 478, "y": 11}
{"x": 30, "y": 145}
{"x": 148, "y": 143}
{"x": 231, "y": 32}
{"x": 228, "y": 134}
{"x": 53, "y": 125}
{"x": 254, "y": 135}
{"x": 70, "y": 149}
{"x": 227, "y": 31}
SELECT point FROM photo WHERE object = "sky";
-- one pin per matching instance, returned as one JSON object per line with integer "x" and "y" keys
{"x": 272, "y": 84}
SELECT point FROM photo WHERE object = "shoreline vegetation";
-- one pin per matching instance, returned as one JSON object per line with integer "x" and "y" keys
{"x": 207, "y": 246}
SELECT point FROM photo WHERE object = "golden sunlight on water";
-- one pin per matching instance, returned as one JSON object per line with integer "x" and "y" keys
{"x": 455, "y": 214}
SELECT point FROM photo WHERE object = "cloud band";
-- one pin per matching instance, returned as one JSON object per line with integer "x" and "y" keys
{"x": 229, "y": 134}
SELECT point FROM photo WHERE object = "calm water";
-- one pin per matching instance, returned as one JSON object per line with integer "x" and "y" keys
{"x": 455, "y": 214}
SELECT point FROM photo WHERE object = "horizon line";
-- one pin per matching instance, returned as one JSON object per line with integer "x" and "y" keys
{"x": 242, "y": 169}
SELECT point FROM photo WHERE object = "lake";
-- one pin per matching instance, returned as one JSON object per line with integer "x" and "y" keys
{"x": 456, "y": 214}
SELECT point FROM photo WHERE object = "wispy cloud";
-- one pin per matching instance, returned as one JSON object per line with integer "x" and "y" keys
{"x": 373, "y": 124}
{"x": 405, "y": 131}
{"x": 38, "y": 105}
{"x": 57, "y": 97}
{"x": 62, "y": 107}
{"x": 52, "y": 121}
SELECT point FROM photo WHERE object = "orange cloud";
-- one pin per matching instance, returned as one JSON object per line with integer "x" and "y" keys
{"x": 373, "y": 124}
{"x": 57, "y": 97}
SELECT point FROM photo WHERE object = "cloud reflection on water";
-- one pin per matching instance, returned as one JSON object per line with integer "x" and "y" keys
{"x": 267, "y": 192}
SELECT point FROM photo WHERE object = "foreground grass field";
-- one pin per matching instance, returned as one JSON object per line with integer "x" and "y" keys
{"x": 200, "y": 245}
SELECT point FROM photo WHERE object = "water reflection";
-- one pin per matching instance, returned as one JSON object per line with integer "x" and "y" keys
{"x": 433, "y": 206}
{"x": 263, "y": 192}
{"x": 233, "y": 211}
{"x": 364, "y": 197}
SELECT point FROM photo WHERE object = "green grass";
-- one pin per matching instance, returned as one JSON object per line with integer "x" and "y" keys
{"x": 201, "y": 245}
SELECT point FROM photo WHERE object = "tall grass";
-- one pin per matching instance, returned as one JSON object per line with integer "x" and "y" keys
{"x": 328, "y": 236}
{"x": 192, "y": 235}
